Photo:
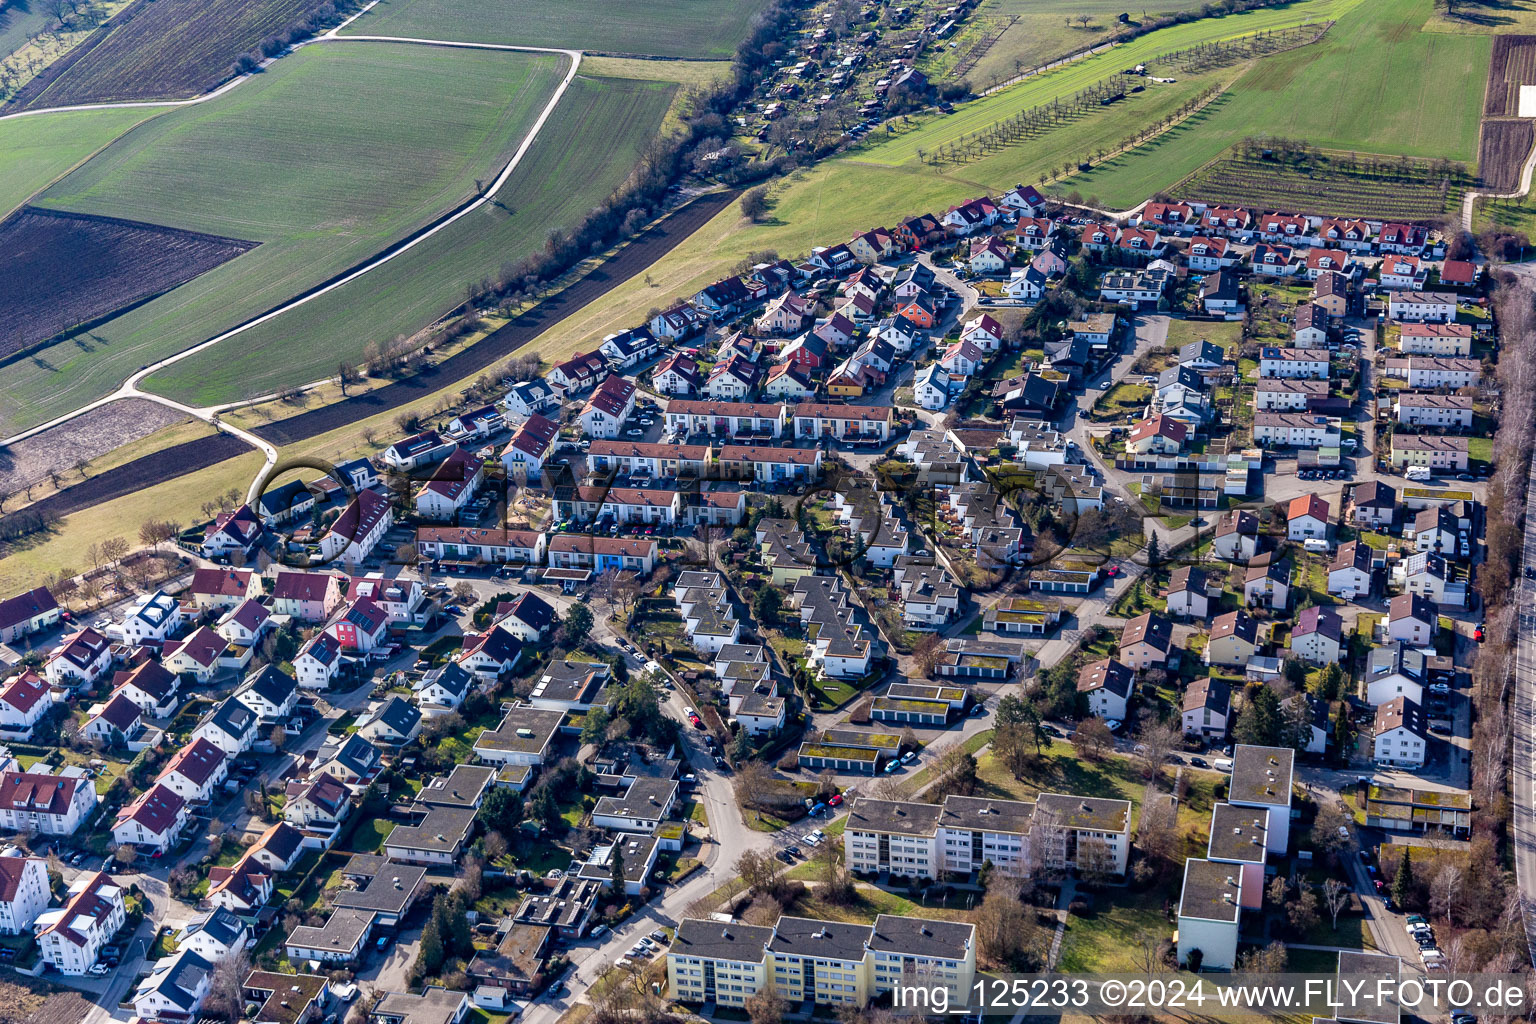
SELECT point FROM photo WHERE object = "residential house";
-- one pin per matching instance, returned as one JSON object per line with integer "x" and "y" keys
{"x": 1188, "y": 593}
{"x": 1318, "y": 636}
{"x": 25, "y": 700}
{"x": 1236, "y": 537}
{"x": 530, "y": 446}
{"x": 1296, "y": 430}
{"x": 1374, "y": 504}
{"x": 1412, "y": 618}
{"x": 453, "y": 484}
{"x": 306, "y": 596}
{"x": 1146, "y": 642}
{"x": 580, "y": 373}
{"x": 28, "y": 613}
{"x": 1306, "y": 516}
{"x": 1268, "y": 583}
{"x": 70, "y": 938}
{"x": 357, "y": 531}
{"x": 1351, "y": 573}
{"x": 24, "y": 893}
{"x": 1157, "y": 435}
{"x": 1435, "y": 339}
{"x": 1400, "y": 737}
{"x": 1233, "y": 639}
{"x": 1435, "y": 371}
{"x": 1292, "y": 363}
{"x": 1445, "y": 454}
{"x": 1408, "y": 306}
{"x": 608, "y": 407}
{"x": 394, "y": 724}
{"x": 416, "y": 451}
{"x": 1447, "y": 412}
{"x": 528, "y": 398}
{"x": 1207, "y": 708}
{"x": 318, "y": 662}
{"x": 153, "y": 822}
{"x": 80, "y": 660}
{"x": 196, "y": 771}
{"x": 1107, "y": 685}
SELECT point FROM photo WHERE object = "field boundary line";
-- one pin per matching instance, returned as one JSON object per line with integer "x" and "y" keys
{"x": 130, "y": 387}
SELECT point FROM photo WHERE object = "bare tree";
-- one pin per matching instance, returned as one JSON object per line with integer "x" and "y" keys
{"x": 1335, "y": 898}
{"x": 1155, "y": 745}
{"x": 765, "y": 1006}
{"x": 226, "y": 987}
{"x": 1444, "y": 891}
{"x": 1093, "y": 739}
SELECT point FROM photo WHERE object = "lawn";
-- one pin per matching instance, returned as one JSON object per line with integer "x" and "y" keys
{"x": 1346, "y": 92}
{"x": 1227, "y": 334}
{"x": 369, "y": 835}
{"x": 415, "y": 289}
{"x": 37, "y": 151}
{"x": 1106, "y": 940}
{"x": 332, "y": 154}
{"x": 660, "y": 28}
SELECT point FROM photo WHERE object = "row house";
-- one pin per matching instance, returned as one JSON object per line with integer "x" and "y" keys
{"x": 732, "y": 419}
{"x": 1435, "y": 371}
{"x": 1274, "y": 261}
{"x": 469, "y": 544}
{"x": 658, "y": 461}
{"x": 602, "y": 554}
{"x": 843, "y": 422}
{"x": 1416, "y": 306}
{"x": 1435, "y": 339}
{"x": 1297, "y": 430}
{"x": 1281, "y": 394}
{"x": 1438, "y": 453}
{"x": 770, "y": 465}
{"x": 1450, "y": 412}
{"x": 1351, "y": 235}
{"x": 1293, "y": 363}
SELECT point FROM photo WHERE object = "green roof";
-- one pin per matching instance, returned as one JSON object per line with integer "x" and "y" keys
{"x": 838, "y": 751}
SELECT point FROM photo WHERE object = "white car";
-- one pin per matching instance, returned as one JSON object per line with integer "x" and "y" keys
{"x": 687, "y": 711}
{"x": 97, "y": 969}
{"x": 1113, "y": 724}
{"x": 810, "y": 839}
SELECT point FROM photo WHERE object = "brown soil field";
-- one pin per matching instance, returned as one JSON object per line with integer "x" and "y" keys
{"x": 85, "y": 438}
{"x": 23, "y": 1001}
{"x": 1513, "y": 64}
{"x": 165, "y": 49}
{"x": 1502, "y": 146}
{"x": 61, "y": 270}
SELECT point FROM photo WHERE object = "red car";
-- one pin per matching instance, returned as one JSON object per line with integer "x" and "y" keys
{"x": 698, "y": 723}
{"x": 1477, "y": 634}
{"x": 1112, "y": 571}
{"x": 837, "y": 800}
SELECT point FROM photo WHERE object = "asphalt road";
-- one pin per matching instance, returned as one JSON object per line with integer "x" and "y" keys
{"x": 1523, "y": 709}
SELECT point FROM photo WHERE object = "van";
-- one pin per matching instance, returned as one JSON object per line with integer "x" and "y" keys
{"x": 1222, "y": 764}
{"x": 1418, "y": 473}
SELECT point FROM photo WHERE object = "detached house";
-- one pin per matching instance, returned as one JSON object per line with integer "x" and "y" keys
{"x": 1351, "y": 573}
{"x": 1399, "y": 734}
{"x": 153, "y": 822}
{"x": 24, "y": 701}
{"x": 196, "y": 771}
{"x": 453, "y": 485}
{"x": 1318, "y": 636}
{"x": 677, "y": 374}
{"x": 1188, "y": 593}
{"x": 1306, "y": 516}
{"x": 1413, "y": 619}
{"x": 1234, "y": 639}
{"x": 608, "y": 408}
{"x": 306, "y": 596}
{"x": 1207, "y": 707}
{"x": 1107, "y": 684}
{"x": 70, "y": 938}
{"x": 80, "y": 659}
{"x": 1146, "y": 642}
{"x": 223, "y": 589}
{"x": 55, "y": 805}
{"x": 1421, "y": 306}
{"x": 530, "y": 446}
{"x": 28, "y": 613}
{"x": 359, "y": 528}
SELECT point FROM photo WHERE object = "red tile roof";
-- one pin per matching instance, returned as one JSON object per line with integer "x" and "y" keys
{"x": 197, "y": 762}
{"x": 1307, "y": 504}
{"x": 23, "y": 692}
{"x": 156, "y": 809}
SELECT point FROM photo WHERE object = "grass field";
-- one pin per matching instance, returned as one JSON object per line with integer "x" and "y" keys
{"x": 1363, "y": 87}
{"x": 331, "y": 155}
{"x": 20, "y": 20}
{"x": 936, "y": 131}
{"x": 660, "y": 28}
{"x": 169, "y": 49}
{"x": 36, "y": 151}
{"x": 1485, "y": 17}
{"x": 413, "y": 290}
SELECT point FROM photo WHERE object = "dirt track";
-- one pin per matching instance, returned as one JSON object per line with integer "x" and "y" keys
{"x": 192, "y": 456}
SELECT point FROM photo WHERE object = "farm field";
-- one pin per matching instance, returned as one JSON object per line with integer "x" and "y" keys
{"x": 414, "y": 289}
{"x": 1345, "y": 92}
{"x": 59, "y": 270}
{"x": 36, "y": 151}
{"x": 1502, "y": 148}
{"x": 1323, "y": 187}
{"x": 168, "y": 49}
{"x": 660, "y": 28}
{"x": 1511, "y": 65}
{"x": 936, "y": 131}
{"x": 1026, "y": 34}
{"x": 331, "y": 155}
